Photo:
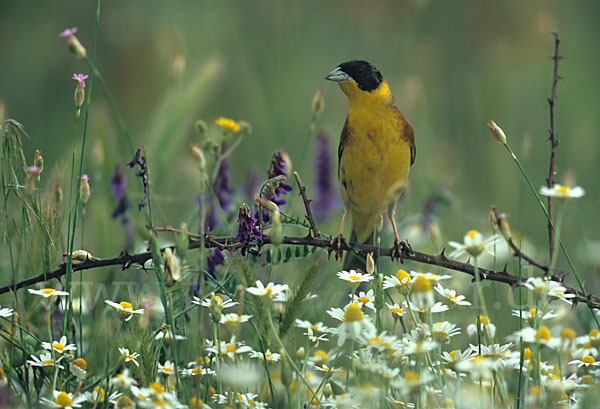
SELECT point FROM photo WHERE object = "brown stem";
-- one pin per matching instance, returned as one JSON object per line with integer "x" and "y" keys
{"x": 306, "y": 201}
{"x": 228, "y": 243}
{"x": 553, "y": 143}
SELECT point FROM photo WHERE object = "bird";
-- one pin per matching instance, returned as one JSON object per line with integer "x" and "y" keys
{"x": 376, "y": 151}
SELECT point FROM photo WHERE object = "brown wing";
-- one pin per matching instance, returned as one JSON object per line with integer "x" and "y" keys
{"x": 343, "y": 141}
{"x": 408, "y": 134}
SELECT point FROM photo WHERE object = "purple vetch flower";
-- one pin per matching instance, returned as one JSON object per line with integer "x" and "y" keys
{"x": 277, "y": 168}
{"x": 247, "y": 227}
{"x": 221, "y": 186}
{"x": 214, "y": 258}
{"x": 68, "y": 32}
{"x": 80, "y": 78}
{"x": 327, "y": 194}
{"x": 117, "y": 183}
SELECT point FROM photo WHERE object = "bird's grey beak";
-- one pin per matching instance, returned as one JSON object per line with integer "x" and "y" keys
{"x": 337, "y": 75}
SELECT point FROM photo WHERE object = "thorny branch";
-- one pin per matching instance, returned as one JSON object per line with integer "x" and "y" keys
{"x": 306, "y": 201}
{"x": 553, "y": 142}
{"x": 228, "y": 243}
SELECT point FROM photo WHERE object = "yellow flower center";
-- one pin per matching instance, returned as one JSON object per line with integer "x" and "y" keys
{"x": 397, "y": 310}
{"x": 63, "y": 399}
{"x": 403, "y": 275}
{"x": 196, "y": 371}
{"x": 319, "y": 353}
{"x": 126, "y": 305}
{"x": 196, "y": 403}
{"x": 447, "y": 403}
{"x": 567, "y": 333}
{"x": 48, "y": 362}
{"x": 80, "y": 363}
{"x": 230, "y": 348}
{"x": 563, "y": 190}
{"x": 99, "y": 392}
{"x": 353, "y": 278}
{"x": 48, "y": 291}
{"x": 421, "y": 284}
{"x": 57, "y": 346}
{"x": 123, "y": 401}
{"x": 543, "y": 333}
{"x": 472, "y": 233}
{"x": 353, "y": 313}
{"x": 374, "y": 340}
{"x": 156, "y": 387}
{"x": 484, "y": 320}
{"x": 411, "y": 376}
{"x": 588, "y": 359}
{"x": 535, "y": 390}
{"x": 526, "y": 354}
{"x": 269, "y": 291}
{"x": 363, "y": 300}
{"x": 452, "y": 354}
{"x": 594, "y": 333}
{"x": 218, "y": 300}
{"x": 532, "y": 312}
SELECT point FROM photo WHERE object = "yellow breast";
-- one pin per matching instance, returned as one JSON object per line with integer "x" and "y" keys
{"x": 375, "y": 157}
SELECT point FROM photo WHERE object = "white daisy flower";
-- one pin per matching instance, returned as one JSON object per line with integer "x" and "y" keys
{"x": 193, "y": 372}
{"x": 6, "y": 312}
{"x": 443, "y": 331}
{"x": 315, "y": 338}
{"x": 450, "y": 296}
{"x": 562, "y": 192}
{"x": 544, "y": 287}
{"x": 268, "y": 355}
{"x": 486, "y": 327}
{"x": 44, "y": 360}
{"x": 364, "y": 299}
{"x": 59, "y": 346}
{"x": 396, "y": 310}
{"x": 401, "y": 281}
{"x": 530, "y": 315}
{"x": 123, "y": 381}
{"x": 78, "y": 368}
{"x": 48, "y": 292}
{"x": 587, "y": 361}
{"x": 65, "y": 400}
{"x": 474, "y": 245}
{"x": 168, "y": 368}
{"x": 318, "y": 327}
{"x": 127, "y": 357}
{"x": 354, "y": 277}
{"x": 269, "y": 292}
{"x": 230, "y": 349}
{"x": 234, "y": 319}
{"x": 354, "y": 323}
{"x": 217, "y": 300}
{"x": 125, "y": 309}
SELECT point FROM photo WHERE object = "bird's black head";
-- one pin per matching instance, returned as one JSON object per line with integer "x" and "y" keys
{"x": 366, "y": 75}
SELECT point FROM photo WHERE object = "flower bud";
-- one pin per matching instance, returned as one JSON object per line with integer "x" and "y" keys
{"x": 201, "y": 127}
{"x": 267, "y": 204}
{"x": 199, "y": 156}
{"x": 58, "y": 193}
{"x": 300, "y": 353}
{"x": 216, "y": 307}
{"x": 80, "y": 255}
{"x": 32, "y": 176}
{"x": 172, "y": 270}
{"x": 370, "y": 264}
{"x": 39, "y": 162}
{"x": 318, "y": 102}
{"x": 286, "y": 374}
{"x": 84, "y": 189}
{"x": 245, "y": 128}
{"x": 504, "y": 226}
{"x": 75, "y": 46}
{"x": 79, "y": 97}
{"x": 497, "y": 132}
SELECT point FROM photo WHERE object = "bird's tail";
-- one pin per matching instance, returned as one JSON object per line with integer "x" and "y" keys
{"x": 363, "y": 226}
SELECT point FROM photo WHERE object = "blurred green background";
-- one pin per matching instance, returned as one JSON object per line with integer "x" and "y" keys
{"x": 451, "y": 65}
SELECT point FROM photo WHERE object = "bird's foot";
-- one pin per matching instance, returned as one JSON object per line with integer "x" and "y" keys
{"x": 400, "y": 249}
{"x": 338, "y": 244}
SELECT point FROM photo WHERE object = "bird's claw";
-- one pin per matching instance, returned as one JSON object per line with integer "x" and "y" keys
{"x": 339, "y": 244}
{"x": 400, "y": 249}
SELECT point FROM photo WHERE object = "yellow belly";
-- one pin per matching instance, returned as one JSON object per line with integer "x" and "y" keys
{"x": 374, "y": 167}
